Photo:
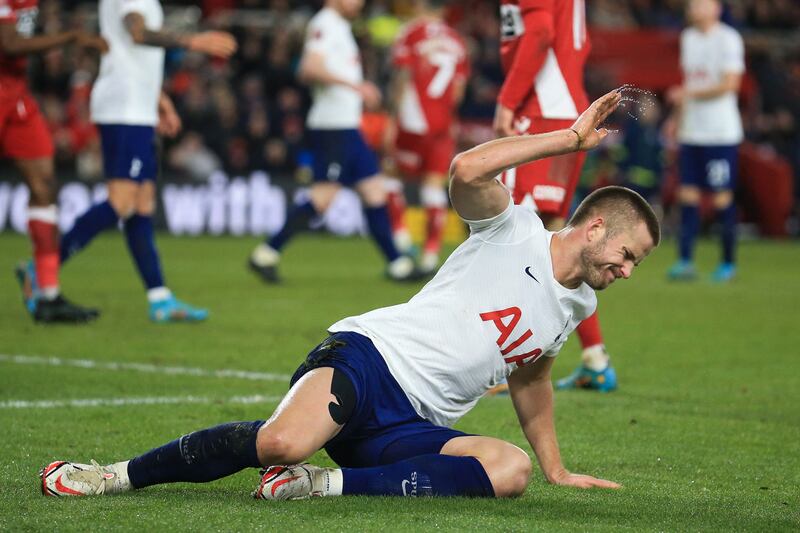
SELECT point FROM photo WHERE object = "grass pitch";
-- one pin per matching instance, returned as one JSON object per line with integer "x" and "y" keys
{"x": 704, "y": 432}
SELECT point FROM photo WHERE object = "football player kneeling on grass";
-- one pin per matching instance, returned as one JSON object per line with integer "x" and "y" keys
{"x": 381, "y": 393}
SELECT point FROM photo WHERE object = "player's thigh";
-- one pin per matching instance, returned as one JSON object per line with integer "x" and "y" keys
{"x": 39, "y": 174}
{"x": 508, "y": 467}
{"x": 304, "y": 420}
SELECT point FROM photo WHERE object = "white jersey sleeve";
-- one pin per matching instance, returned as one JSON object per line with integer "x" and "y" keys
{"x": 732, "y": 60}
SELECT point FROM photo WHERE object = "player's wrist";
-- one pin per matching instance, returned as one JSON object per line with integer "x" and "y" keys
{"x": 579, "y": 140}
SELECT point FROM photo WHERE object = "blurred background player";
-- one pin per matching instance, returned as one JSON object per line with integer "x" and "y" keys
{"x": 544, "y": 46}
{"x": 127, "y": 104}
{"x": 331, "y": 64}
{"x": 430, "y": 68}
{"x": 25, "y": 138}
{"x": 709, "y": 131}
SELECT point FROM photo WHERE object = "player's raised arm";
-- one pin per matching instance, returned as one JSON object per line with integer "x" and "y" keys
{"x": 213, "y": 43}
{"x": 475, "y": 192}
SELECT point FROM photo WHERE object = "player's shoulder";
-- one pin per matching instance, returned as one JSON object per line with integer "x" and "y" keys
{"x": 729, "y": 33}
{"x": 325, "y": 17}
{"x": 517, "y": 223}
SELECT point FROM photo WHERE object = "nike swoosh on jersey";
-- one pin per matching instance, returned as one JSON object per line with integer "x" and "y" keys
{"x": 528, "y": 272}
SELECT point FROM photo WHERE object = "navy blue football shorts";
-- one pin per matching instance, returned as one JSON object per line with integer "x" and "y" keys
{"x": 384, "y": 428}
{"x": 711, "y": 168}
{"x": 128, "y": 151}
{"x": 341, "y": 156}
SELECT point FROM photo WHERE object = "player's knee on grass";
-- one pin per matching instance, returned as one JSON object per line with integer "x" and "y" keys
{"x": 278, "y": 445}
{"x": 509, "y": 471}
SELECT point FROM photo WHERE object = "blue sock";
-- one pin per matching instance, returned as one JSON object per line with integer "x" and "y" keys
{"x": 424, "y": 475}
{"x": 727, "y": 218}
{"x": 97, "y": 218}
{"x": 198, "y": 457}
{"x": 690, "y": 225}
{"x": 142, "y": 245}
{"x": 297, "y": 220}
{"x": 381, "y": 230}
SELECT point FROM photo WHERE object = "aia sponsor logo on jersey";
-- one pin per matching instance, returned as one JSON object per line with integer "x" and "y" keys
{"x": 506, "y": 320}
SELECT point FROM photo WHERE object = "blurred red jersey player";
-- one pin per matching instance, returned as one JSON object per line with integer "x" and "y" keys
{"x": 544, "y": 46}
{"x": 24, "y": 138}
{"x": 430, "y": 70}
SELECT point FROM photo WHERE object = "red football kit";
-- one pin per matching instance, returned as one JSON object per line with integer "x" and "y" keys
{"x": 543, "y": 49}
{"x": 23, "y": 131}
{"x": 436, "y": 58}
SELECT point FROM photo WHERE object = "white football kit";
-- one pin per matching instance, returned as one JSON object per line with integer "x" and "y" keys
{"x": 129, "y": 82}
{"x": 494, "y": 306}
{"x": 705, "y": 59}
{"x": 335, "y": 106}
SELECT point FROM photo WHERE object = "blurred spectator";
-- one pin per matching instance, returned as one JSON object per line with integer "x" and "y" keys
{"x": 248, "y": 114}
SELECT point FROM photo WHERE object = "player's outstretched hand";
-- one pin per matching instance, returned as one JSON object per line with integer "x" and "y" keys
{"x": 90, "y": 40}
{"x": 581, "y": 481}
{"x": 587, "y": 124}
{"x": 214, "y": 43}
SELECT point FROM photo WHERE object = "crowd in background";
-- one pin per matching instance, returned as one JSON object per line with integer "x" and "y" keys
{"x": 248, "y": 113}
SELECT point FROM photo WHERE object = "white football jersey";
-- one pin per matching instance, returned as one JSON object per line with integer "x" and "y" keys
{"x": 129, "y": 83}
{"x": 494, "y": 306}
{"x": 705, "y": 59}
{"x": 334, "y": 106}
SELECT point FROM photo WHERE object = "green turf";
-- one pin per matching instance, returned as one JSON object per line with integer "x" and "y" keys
{"x": 704, "y": 432}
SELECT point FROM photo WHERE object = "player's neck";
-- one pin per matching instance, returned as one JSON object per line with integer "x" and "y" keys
{"x": 565, "y": 255}
{"x": 705, "y": 27}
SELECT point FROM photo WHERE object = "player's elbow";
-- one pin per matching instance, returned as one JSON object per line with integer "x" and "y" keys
{"x": 462, "y": 169}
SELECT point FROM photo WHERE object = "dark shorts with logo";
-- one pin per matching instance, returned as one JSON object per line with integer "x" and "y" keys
{"x": 384, "y": 428}
{"x": 341, "y": 156}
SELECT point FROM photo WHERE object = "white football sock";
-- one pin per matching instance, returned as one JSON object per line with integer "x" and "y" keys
{"x": 265, "y": 255}
{"x": 158, "y": 294}
{"x": 122, "y": 483}
{"x": 334, "y": 480}
{"x": 595, "y": 358}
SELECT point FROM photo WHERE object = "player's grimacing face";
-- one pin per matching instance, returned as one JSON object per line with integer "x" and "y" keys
{"x": 615, "y": 256}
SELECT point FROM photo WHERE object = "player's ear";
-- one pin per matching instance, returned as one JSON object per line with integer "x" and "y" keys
{"x": 595, "y": 229}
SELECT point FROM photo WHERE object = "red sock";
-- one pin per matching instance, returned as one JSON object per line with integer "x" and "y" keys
{"x": 437, "y": 216}
{"x": 396, "y": 205}
{"x": 589, "y": 331}
{"x": 43, "y": 231}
